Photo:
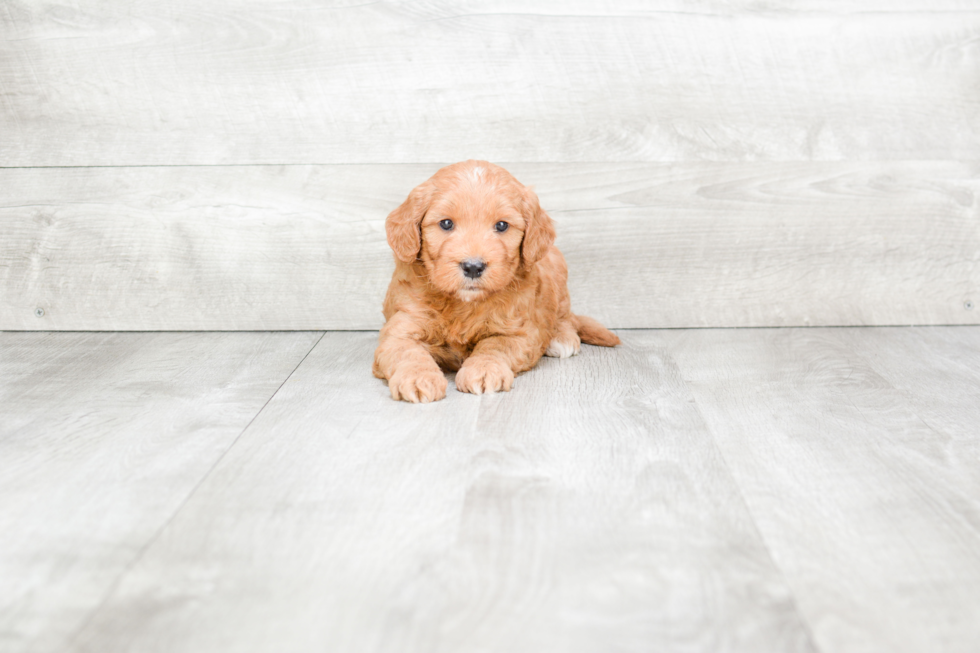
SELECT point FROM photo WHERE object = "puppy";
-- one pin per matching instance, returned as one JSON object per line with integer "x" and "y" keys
{"x": 479, "y": 287}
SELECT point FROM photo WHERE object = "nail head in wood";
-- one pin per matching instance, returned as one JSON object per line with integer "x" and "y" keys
{"x": 39, "y": 311}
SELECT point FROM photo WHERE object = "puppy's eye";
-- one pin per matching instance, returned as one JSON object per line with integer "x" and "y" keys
{"x": 446, "y": 224}
{"x": 501, "y": 226}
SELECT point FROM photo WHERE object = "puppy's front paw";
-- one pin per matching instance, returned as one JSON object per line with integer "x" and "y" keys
{"x": 417, "y": 385}
{"x": 481, "y": 374}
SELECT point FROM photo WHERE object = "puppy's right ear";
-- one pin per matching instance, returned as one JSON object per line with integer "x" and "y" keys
{"x": 403, "y": 225}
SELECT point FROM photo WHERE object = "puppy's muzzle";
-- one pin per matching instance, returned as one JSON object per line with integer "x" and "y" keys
{"x": 473, "y": 267}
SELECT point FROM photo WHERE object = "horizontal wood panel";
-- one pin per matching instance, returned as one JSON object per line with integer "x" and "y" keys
{"x": 307, "y": 82}
{"x": 648, "y": 245}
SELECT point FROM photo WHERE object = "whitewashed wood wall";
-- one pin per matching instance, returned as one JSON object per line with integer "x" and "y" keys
{"x": 229, "y": 164}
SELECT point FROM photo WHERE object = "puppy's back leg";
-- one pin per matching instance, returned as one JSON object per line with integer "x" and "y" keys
{"x": 566, "y": 342}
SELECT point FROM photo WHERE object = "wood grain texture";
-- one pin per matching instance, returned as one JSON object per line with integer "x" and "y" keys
{"x": 586, "y": 510}
{"x": 400, "y": 82}
{"x": 939, "y": 375}
{"x": 648, "y": 245}
{"x": 102, "y": 439}
{"x": 867, "y": 494}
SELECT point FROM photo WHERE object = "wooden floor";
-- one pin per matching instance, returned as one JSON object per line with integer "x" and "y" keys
{"x": 692, "y": 490}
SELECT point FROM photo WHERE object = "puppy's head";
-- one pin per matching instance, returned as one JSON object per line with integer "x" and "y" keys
{"x": 473, "y": 226}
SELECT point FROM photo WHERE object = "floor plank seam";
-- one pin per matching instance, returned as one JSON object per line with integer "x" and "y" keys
{"x": 941, "y": 433}
{"x": 150, "y": 541}
{"x": 804, "y": 621}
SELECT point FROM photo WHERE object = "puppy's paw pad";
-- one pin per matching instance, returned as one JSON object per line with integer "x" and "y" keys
{"x": 418, "y": 386}
{"x": 484, "y": 375}
{"x": 563, "y": 347}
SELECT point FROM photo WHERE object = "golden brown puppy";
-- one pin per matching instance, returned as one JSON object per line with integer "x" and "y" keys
{"x": 479, "y": 287}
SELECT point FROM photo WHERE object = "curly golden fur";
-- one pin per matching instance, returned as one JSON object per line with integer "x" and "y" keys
{"x": 479, "y": 287}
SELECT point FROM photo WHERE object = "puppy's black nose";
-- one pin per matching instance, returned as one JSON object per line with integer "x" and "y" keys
{"x": 473, "y": 267}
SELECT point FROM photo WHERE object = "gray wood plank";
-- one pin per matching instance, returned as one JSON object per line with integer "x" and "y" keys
{"x": 870, "y": 508}
{"x": 648, "y": 245}
{"x": 586, "y": 510}
{"x": 939, "y": 375}
{"x": 102, "y": 439}
{"x": 308, "y": 82}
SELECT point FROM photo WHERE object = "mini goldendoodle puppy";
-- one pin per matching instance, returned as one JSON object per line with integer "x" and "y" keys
{"x": 479, "y": 287}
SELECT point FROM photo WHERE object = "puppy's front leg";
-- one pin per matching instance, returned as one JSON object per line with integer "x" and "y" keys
{"x": 491, "y": 366}
{"x": 413, "y": 375}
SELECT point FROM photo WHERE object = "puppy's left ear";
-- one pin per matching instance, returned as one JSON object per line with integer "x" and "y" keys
{"x": 539, "y": 230}
{"x": 403, "y": 225}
